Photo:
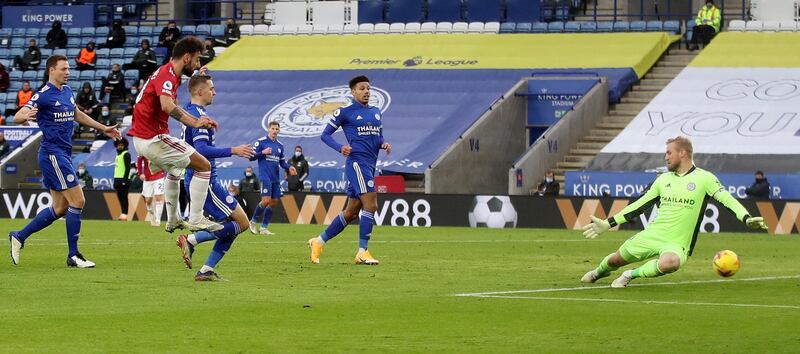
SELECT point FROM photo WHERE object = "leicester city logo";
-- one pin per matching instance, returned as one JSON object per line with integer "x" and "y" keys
{"x": 307, "y": 114}
{"x": 691, "y": 186}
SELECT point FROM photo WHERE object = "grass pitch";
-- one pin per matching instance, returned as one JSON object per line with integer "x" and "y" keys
{"x": 140, "y": 298}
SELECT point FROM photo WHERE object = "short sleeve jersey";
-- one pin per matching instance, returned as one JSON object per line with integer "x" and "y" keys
{"x": 56, "y": 116}
{"x": 363, "y": 129}
{"x": 149, "y": 119}
{"x": 191, "y": 135}
{"x": 269, "y": 165}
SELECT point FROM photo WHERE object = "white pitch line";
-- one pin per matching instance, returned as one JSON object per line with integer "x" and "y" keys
{"x": 649, "y": 302}
{"x": 128, "y": 242}
{"x": 582, "y": 288}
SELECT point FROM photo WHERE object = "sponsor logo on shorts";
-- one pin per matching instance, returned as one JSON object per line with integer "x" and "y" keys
{"x": 371, "y": 183}
{"x": 70, "y": 178}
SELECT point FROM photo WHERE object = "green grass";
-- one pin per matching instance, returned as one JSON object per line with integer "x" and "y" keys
{"x": 141, "y": 299}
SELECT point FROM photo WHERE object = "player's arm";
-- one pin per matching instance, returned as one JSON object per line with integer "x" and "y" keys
{"x": 332, "y": 127}
{"x": 168, "y": 105}
{"x": 715, "y": 189}
{"x": 259, "y": 153}
{"x": 25, "y": 115}
{"x": 384, "y": 145}
{"x": 598, "y": 226}
{"x": 111, "y": 131}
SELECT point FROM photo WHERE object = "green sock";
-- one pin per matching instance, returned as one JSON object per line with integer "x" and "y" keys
{"x": 604, "y": 268}
{"x": 648, "y": 270}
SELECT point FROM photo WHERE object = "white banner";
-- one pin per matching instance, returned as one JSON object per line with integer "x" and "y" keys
{"x": 723, "y": 110}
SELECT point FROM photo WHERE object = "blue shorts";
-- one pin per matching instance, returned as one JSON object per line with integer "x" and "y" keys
{"x": 57, "y": 171}
{"x": 360, "y": 178}
{"x": 219, "y": 203}
{"x": 271, "y": 189}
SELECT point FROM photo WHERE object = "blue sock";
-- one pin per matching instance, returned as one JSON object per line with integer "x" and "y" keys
{"x": 203, "y": 236}
{"x": 337, "y": 225}
{"x": 267, "y": 217}
{"x": 43, "y": 219}
{"x": 258, "y": 213}
{"x": 365, "y": 229}
{"x": 225, "y": 238}
{"x": 73, "y": 229}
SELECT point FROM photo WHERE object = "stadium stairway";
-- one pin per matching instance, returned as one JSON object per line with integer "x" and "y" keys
{"x": 620, "y": 114}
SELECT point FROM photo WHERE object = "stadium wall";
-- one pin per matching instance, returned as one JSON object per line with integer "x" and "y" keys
{"x": 782, "y": 216}
{"x": 477, "y": 160}
{"x": 15, "y": 165}
{"x": 526, "y": 173}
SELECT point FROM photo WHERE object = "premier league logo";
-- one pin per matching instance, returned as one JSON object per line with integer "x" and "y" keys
{"x": 307, "y": 114}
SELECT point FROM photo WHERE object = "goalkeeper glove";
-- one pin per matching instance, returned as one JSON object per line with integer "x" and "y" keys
{"x": 595, "y": 228}
{"x": 755, "y": 222}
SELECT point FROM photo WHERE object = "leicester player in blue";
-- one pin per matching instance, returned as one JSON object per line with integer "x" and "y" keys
{"x": 218, "y": 204}
{"x": 53, "y": 109}
{"x": 362, "y": 127}
{"x": 269, "y": 154}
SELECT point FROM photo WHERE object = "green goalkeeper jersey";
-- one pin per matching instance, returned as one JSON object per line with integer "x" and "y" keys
{"x": 682, "y": 203}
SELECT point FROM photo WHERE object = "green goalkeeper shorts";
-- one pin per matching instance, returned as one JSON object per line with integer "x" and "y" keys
{"x": 644, "y": 246}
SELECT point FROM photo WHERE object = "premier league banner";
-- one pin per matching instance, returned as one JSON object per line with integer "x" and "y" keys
{"x": 44, "y": 16}
{"x": 420, "y": 210}
{"x": 16, "y": 135}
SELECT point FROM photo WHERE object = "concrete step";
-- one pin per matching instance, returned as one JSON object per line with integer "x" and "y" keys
{"x": 644, "y": 100}
{"x": 629, "y": 106}
{"x": 572, "y": 165}
{"x": 605, "y": 131}
{"x": 598, "y": 138}
{"x": 618, "y": 120}
{"x": 673, "y": 63}
{"x": 641, "y": 94}
{"x": 657, "y": 79}
{"x": 584, "y": 152}
{"x": 665, "y": 70}
{"x": 624, "y": 113}
{"x": 578, "y": 158}
{"x": 613, "y": 125}
{"x": 590, "y": 145}
{"x": 649, "y": 87}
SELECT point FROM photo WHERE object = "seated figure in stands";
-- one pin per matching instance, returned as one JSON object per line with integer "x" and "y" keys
{"x": 549, "y": 186}
{"x": 707, "y": 25}
{"x": 29, "y": 60}
{"x": 144, "y": 61}
{"x": 114, "y": 84}
{"x": 116, "y": 39}
{"x": 232, "y": 34}
{"x": 208, "y": 53}
{"x": 86, "y": 58}
{"x": 168, "y": 37}
{"x": 56, "y": 37}
{"x": 87, "y": 102}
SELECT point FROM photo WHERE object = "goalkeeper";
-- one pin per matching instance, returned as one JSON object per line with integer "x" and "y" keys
{"x": 670, "y": 238}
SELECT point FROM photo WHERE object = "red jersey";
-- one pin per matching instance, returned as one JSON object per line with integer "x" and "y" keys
{"x": 143, "y": 165}
{"x": 149, "y": 119}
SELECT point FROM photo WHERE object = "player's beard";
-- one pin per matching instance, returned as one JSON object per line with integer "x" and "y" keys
{"x": 672, "y": 167}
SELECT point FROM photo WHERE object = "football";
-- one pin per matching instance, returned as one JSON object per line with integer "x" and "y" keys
{"x": 494, "y": 212}
{"x": 726, "y": 263}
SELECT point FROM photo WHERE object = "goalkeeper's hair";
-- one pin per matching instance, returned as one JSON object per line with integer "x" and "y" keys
{"x": 683, "y": 143}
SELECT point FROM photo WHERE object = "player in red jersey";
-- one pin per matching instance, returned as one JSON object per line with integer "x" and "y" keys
{"x": 154, "y": 105}
{"x": 152, "y": 190}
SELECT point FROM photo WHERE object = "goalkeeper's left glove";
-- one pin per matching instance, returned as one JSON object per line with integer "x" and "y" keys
{"x": 595, "y": 228}
{"x": 755, "y": 222}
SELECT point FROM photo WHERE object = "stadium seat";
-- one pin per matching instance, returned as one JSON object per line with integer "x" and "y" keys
{"x": 131, "y": 30}
{"x": 304, "y": 30}
{"x": 319, "y": 29}
{"x": 538, "y": 27}
{"x": 366, "y": 28}
{"x": 117, "y": 53}
{"x": 146, "y": 31}
{"x": 101, "y": 31}
{"x": 29, "y": 75}
{"x": 13, "y": 86}
{"x": 103, "y": 53}
{"x": 572, "y": 27}
{"x": 522, "y": 10}
{"x": 484, "y": 10}
{"x": 555, "y": 27}
{"x": 673, "y": 27}
{"x": 427, "y": 27}
{"x": 87, "y": 32}
{"x": 33, "y": 32}
{"x": 654, "y": 26}
{"x": 39, "y": 75}
{"x": 335, "y": 29}
{"x": 753, "y": 26}
{"x": 475, "y": 27}
{"x": 72, "y": 42}
{"x": 130, "y": 52}
{"x": 55, "y": 52}
{"x": 381, "y": 28}
{"x": 404, "y": 11}
{"x": 20, "y": 32}
{"x": 73, "y": 52}
{"x": 290, "y": 29}
{"x": 131, "y": 41}
{"x": 491, "y": 27}
{"x": 132, "y": 74}
{"x": 444, "y": 10}
{"x": 46, "y": 53}
{"x": 86, "y": 75}
{"x": 188, "y": 30}
{"x": 460, "y": 27}
{"x": 101, "y": 73}
{"x": 15, "y": 75}
{"x": 119, "y": 61}
{"x": 589, "y": 26}
{"x": 260, "y": 29}
{"x": 370, "y": 11}
{"x": 274, "y": 30}
{"x": 5, "y": 32}
{"x": 74, "y": 32}
{"x": 103, "y": 64}
{"x": 350, "y": 28}
{"x": 75, "y": 85}
{"x": 19, "y": 43}
{"x": 523, "y": 27}
{"x": 508, "y": 27}
{"x": 412, "y": 27}
{"x": 3, "y": 96}
{"x": 202, "y": 30}
{"x": 397, "y": 28}
{"x": 217, "y": 30}
{"x": 770, "y": 26}
{"x": 444, "y": 27}
{"x": 787, "y": 26}
{"x": 246, "y": 30}
{"x": 736, "y": 26}
{"x": 5, "y": 54}
{"x": 638, "y": 26}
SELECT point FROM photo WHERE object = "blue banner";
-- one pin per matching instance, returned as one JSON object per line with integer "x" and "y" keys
{"x": 549, "y": 100}
{"x": 632, "y": 184}
{"x": 44, "y": 16}
{"x": 16, "y": 135}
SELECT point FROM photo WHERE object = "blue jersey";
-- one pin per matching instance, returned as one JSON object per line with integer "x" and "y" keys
{"x": 56, "y": 118}
{"x": 202, "y": 140}
{"x": 269, "y": 165}
{"x": 362, "y": 128}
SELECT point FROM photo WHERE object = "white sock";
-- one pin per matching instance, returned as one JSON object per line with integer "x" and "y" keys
{"x": 361, "y": 250}
{"x": 206, "y": 268}
{"x": 149, "y": 209}
{"x": 198, "y": 190}
{"x": 192, "y": 239}
{"x": 320, "y": 240}
{"x": 172, "y": 191}
{"x": 159, "y": 210}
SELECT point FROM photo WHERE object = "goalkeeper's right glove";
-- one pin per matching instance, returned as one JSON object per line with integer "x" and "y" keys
{"x": 595, "y": 228}
{"x": 755, "y": 222}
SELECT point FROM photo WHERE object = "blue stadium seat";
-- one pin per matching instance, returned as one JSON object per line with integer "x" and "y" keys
{"x": 131, "y": 30}
{"x": 101, "y": 73}
{"x": 131, "y": 41}
{"x": 74, "y": 42}
{"x": 75, "y": 85}
{"x": 508, "y": 27}
{"x": 5, "y": 53}
{"x": 29, "y": 75}
{"x": 130, "y": 52}
{"x": 103, "y": 53}
{"x": 16, "y": 51}
{"x": 605, "y": 26}
{"x": 3, "y": 97}
{"x": 572, "y": 27}
{"x": 74, "y": 32}
{"x": 672, "y": 26}
{"x": 86, "y": 75}
{"x": 216, "y": 30}
{"x": 145, "y": 31}
{"x": 132, "y": 74}
{"x": 638, "y": 26}
{"x": 443, "y": 11}
{"x": 18, "y": 42}
{"x": 202, "y": 30}
{"x": 18, "y": 32}
{"x": 86, "y": 40}
{"x": 73, "y": 52}
{"x": 103, "y": 64}
{"x": 589, "y": 27}
{"x": 60, "y": 52}
{"x": 117, "y": 53}
{"x": 15, "y": 75}
{"x": 655, "y": 26}
{"x": 523, "y": 27}
{"x": 5, "y": 32}
{"x": 523, "y": 11}
{"x": 689, "y": 30}
{"x": 87, "y": 32}
{"x": 562, "y": 13}
{"x": 622, "y": 26}
{"x": 370, "y": 11}
{"x": 538, "y": 27}
{"x": 101, "y": 31}
{"x": 119, "y": 61}
{"x": 14, "y": 86}
{"x": 484, "y": 10}
{"x": 46, "y": 53}
{"x": 404, "y": 11}
{"x": 33, "y": 32}
{"x": 555, "y": 27}
{"x": 39, "y": 75}
{"x": 189, "y": 29}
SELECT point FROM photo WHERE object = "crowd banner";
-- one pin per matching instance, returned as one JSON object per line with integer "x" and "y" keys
{"x": 44, "y": 16}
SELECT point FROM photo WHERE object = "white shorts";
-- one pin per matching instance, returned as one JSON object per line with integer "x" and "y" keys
{"x": 165, "y": 153}
{"x": 151, "y": 188}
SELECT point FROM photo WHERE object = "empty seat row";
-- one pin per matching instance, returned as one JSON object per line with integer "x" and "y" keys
{"x": 590, "y": 27}
{"x": 369, "y": 28}
{"x": 763, "y": 26}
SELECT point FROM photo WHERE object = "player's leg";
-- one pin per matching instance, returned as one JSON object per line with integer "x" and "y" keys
{"x": 609, "y": 264}
{"x": 236, "y": 225}
{"x": 350, "y": 213}
{"x": 365, "y": 187}
{"x": 198, "y": 187}
{"x": 76, "y": 201}
{"x": 639, "y": 248}
{"x": 669, "y": 260}
{"x": 258, "y": 214}
{"x": 275, "y": 196}
{"x": 157, "y": 152}
{"x": 42, "y": 219}
{"x": 158, "y": 202}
